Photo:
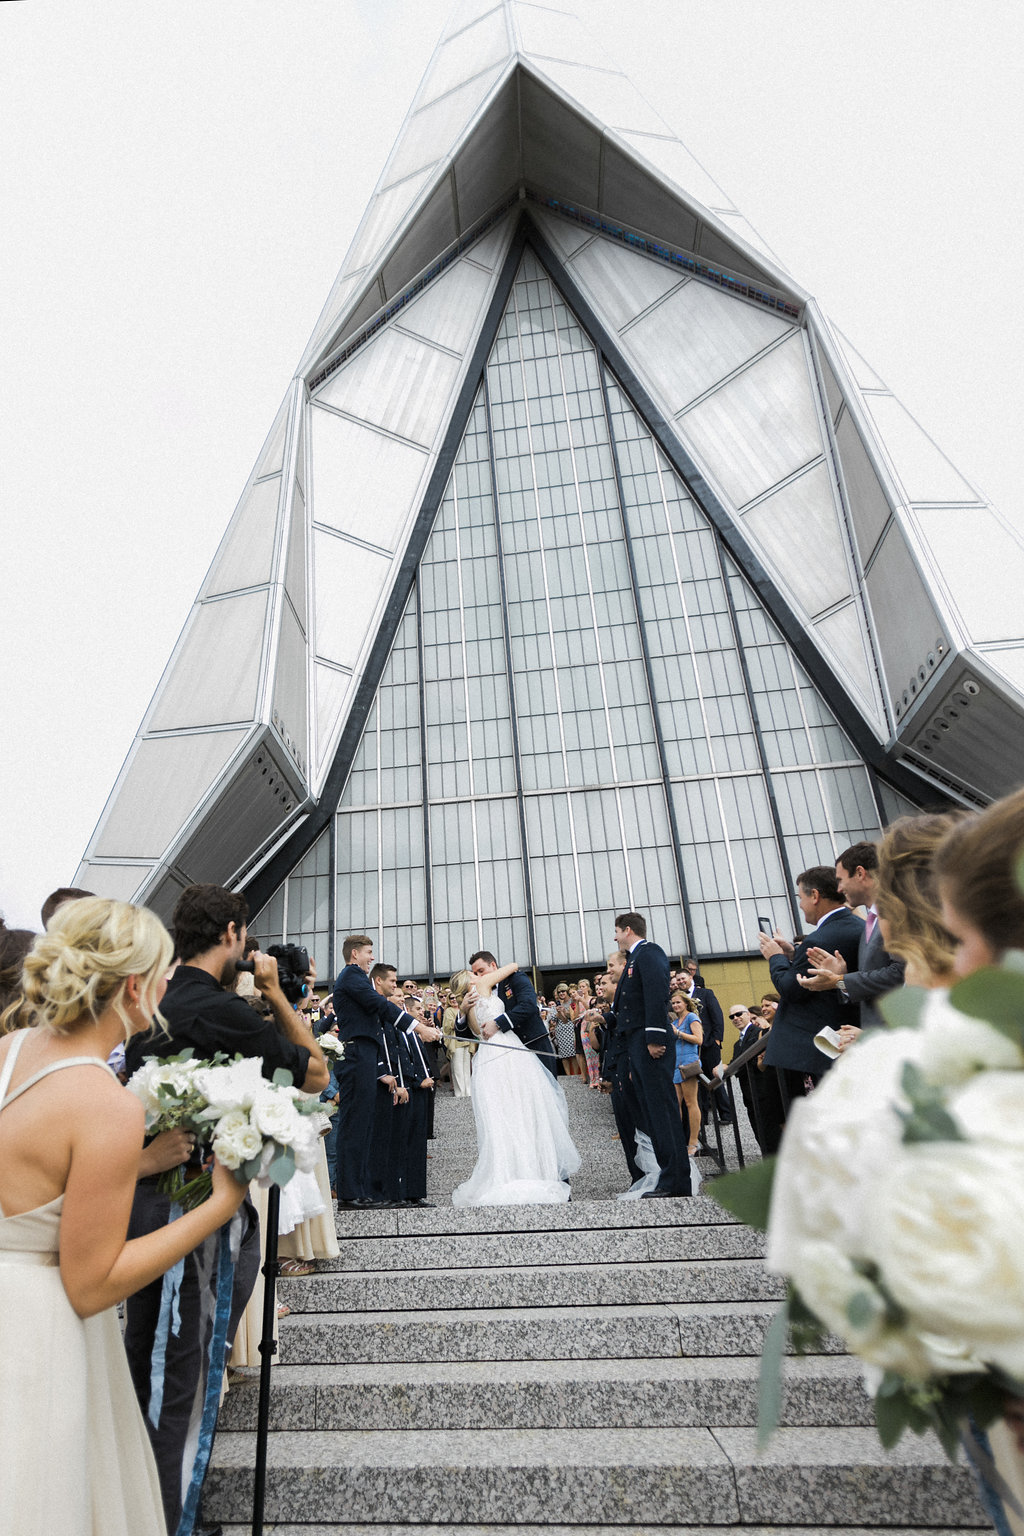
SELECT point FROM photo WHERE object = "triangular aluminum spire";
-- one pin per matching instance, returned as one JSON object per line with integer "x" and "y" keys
{"x": 896, "y": 577}
{"x": 521, "y": 95}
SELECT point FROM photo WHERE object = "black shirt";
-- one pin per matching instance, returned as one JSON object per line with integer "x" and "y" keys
{"x": 203, "y": 1014}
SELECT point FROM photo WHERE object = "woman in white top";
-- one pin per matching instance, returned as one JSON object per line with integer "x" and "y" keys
{"x": 76, "y": 1457}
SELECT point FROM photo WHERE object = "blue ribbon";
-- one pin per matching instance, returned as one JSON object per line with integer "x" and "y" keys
{"x": 214, "y": 1375}
{"x": 168, "y": 1322}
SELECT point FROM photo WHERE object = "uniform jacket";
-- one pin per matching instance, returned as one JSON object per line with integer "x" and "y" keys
{"x": 641, "y": 998}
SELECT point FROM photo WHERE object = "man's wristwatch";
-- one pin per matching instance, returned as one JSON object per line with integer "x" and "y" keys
{"x": 841, "y": 989}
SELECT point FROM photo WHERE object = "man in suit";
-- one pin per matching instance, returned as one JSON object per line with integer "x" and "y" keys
{"x": 877, "y": 971}
{"x": 802, "y": 1013}
{"x": 641, "y": 1014}
{"x": 522, "y": 1015}
{"x": 360, "y": 1010}
{"x": 615, "y": 1077}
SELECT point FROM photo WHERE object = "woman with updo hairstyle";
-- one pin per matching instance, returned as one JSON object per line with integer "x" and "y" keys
{"x": 76, "y": 1456}
{"x": 908, "y": 898}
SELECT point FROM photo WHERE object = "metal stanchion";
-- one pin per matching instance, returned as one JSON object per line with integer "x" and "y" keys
{"x": 735, "y": 1122}
{"x": 268, "y": 1349}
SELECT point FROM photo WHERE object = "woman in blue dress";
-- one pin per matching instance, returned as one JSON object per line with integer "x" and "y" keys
{"x": 689, "y": 1035}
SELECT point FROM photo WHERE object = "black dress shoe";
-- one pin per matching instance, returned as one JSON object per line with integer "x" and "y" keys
{"x": 207, "y": 1530}
{"x": 665, "y": 1194}
{"x": 353, "y": 1205}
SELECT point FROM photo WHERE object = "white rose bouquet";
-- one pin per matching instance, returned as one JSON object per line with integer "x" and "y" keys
{"x": 260, "y": 1130}
{"x": 895, "y": 1210}
{"x": 331, "y": 1046}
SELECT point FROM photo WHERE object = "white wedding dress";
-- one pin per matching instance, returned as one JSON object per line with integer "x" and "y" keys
{"x": 524, "y": 1151}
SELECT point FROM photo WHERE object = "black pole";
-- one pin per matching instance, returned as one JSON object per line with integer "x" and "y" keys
{"x": 268, "y": 1349}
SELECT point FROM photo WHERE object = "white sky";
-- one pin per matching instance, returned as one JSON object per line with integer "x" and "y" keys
{"x": 179, "y": 185}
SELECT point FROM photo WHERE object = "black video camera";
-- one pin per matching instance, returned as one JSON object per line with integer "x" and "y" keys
{"x": 292, "y": 969}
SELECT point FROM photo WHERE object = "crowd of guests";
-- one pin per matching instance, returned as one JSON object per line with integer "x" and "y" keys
{"x": 85, "y": 1224}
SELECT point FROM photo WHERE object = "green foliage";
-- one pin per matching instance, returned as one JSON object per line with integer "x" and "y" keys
{"x": 283, "y": 1166}
{"x": 995, "y": 995}
{"x": 904, "y": 1008}
{"x": 282, "y": 1078}
{"x": 769, "y": 1397}
{"x": 748, "y": 1193}
{"x": 927, "y": 1119}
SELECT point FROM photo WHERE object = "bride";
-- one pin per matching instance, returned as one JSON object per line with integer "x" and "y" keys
{"x": 524, "y": 1151}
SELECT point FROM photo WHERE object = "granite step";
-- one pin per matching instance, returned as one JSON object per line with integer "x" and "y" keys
{"x": 651, "y": 1331}
{"x": 616, "y": 1284}
{"x": 624, "y": 1477}
{"x": 575, "y": 1216}
{"x": 291, "y": 1529}
{"x": 584, "y": 1394}
{"x": 484, "y": 1250}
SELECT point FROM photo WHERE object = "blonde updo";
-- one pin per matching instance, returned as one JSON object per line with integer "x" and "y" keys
{"x": 79, "y": 966}
{"x": 460, "y": 984}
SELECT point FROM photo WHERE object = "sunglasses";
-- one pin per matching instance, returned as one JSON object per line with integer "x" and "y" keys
{"x": 737, "y": 1015}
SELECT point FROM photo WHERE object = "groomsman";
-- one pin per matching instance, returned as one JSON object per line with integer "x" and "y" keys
{"x": 361, "y": 1011}
{"x": 641, "y": 1009}
{"x": 391, "y": 1113}
{"x": 615, "y": 1069}
{"x": 417, "y": 1040}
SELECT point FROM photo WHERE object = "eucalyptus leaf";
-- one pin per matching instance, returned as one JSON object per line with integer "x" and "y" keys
{"x": 904, "y": 1008}
{"x": 281, "y": 1169}
{"x": 769, "y": 1397}
{"x": 892, "y": 1415}
{"x": 251, "y": 1168}
{"x": 928, "y": 1119}
{"x": 282, "y": 1078}
{"x": 996, "y": 995}
{"x": 861, "y": 1310}
{"x": 748, "y": 1193}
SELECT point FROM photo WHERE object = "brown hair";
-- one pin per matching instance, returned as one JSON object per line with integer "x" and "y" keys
{"x": 908, "y": 894}
{"x": 976, "y": 866}
{"x": 352, "y": 943}
{"x": 634, "y": 922}
{"x": 15, "y": 944}
{"x": 859, "y": 855}
{"x": 820, "y": 879}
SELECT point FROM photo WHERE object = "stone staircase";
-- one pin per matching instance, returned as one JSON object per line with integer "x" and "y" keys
{"x": 568, "y": 1368}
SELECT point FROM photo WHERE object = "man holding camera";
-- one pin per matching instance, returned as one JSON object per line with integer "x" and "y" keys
{"x": 167, "y": 1336}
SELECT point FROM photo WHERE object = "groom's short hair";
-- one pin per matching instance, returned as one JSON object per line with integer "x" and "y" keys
{"x": 482, "y": 954}
{"x": 634, "y": 922}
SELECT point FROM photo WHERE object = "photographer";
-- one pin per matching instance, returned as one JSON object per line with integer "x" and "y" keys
{"x": 200, "y": 1011}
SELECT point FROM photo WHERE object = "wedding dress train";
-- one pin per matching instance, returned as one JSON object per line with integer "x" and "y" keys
{"x": 525, "y": 1154}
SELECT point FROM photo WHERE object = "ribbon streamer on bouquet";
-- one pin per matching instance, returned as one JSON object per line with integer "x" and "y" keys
{"x": 168, "y": 1322}
{"x": 228, "y": 1240}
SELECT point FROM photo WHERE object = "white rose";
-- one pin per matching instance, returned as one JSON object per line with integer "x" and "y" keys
{"x": 956, "y": 1046}
{"x": 990, "y": 1108}
{"x": 238, "y": 1145}
{"x": 275, "y": 1115}
{"x": 835, "y": 1142}
{"x": 828, "y": 1282}
{"x": 232, "y": 1086}
{"x": 947, "y": 1236}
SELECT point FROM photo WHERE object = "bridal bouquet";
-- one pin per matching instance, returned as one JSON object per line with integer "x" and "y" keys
{"x": 332, "y": 1047}
{"x": 261, "y": 1130}
{"x": 895, "y": 1210}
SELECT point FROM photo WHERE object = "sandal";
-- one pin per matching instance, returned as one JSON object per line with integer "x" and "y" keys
{"x": 293, "y": 1267}
{"x": 284, "y": 1310}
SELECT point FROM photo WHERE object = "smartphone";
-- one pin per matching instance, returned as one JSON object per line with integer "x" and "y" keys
{"x": 764, "y": 923}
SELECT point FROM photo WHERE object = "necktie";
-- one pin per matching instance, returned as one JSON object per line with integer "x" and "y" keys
{"x": 872, "y": 920}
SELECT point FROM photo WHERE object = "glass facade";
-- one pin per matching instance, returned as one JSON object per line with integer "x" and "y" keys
{"x": 586, "y": 707}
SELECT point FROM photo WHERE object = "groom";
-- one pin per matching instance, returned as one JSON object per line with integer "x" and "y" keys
{"x": 522, "y": 1014}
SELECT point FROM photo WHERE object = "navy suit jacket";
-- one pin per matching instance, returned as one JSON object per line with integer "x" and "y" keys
{"x": 641, "y": 998}
{"x": 801, "y": 1014}
{"x": 360, "y": 1008}
{"x": 877, "y": 973}
{"x": 522, "y": 1015}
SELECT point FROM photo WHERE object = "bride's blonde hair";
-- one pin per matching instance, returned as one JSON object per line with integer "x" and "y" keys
{"x": 79, "y": 966}
{"x": 460, "y": 983}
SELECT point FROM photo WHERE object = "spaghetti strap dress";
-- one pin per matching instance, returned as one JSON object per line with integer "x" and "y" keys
{"x": 76, "y": 1457}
